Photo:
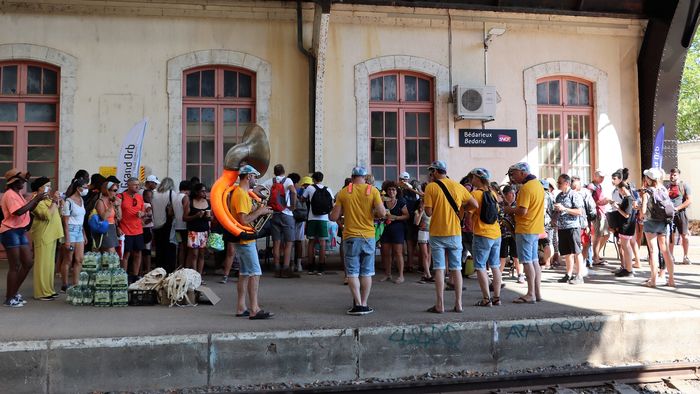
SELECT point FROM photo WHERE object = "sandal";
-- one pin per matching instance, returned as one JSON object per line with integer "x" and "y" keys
{"x": 484, "y": 302}
{"x": 433, "y": 309}
{"x": 496, "y": 301}
{"x": 245, "y": 313}
{"x": 261, "y": 315}
{"x": 457, "y": 310}
{"x": 523, "y": 300}
{"x": 649, "y": 284}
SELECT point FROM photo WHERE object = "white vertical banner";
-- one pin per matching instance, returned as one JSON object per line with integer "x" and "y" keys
{"x": 130, "y": 153}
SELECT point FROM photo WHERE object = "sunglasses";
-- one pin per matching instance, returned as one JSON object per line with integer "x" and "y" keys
{"x": 113, "y": 190}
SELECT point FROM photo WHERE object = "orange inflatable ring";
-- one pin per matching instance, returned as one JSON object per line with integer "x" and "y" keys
{"x": 220, "y": 193}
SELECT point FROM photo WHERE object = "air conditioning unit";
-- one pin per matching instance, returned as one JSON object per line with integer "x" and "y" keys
{"x": 477, "y": 103}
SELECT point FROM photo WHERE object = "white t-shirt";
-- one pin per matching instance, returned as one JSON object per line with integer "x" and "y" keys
{"x": 178, "y": 223}
{"x": 308, "y": 194}
{"x": 287, "y": 183}
{"x": 75, "y": 212}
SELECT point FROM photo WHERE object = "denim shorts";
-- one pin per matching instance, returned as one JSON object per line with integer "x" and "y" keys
{"x": 450, "y": 244}
{"x": 527, "y": 247}
{"x": 487, "y": 251}
{"x": 359, "y": 256}
{"x": 248, "y": 259}
{"x": 655, "y": 226}
{"x": 76, "y": 233}
{"x": 14, "y": 238}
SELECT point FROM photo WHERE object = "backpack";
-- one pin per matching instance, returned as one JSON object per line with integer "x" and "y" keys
{"x": 590, "y": 208}
{"x": 321, "y": 201}
{"x": 661, "y": 205}
{"x": 489, "y": 208}
{"x": 278, "y": 196}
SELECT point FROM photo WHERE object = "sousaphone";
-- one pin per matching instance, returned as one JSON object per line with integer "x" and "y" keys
{"x": 253, "y": 150}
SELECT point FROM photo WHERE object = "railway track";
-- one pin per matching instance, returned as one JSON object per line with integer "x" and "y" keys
{"x": 615, "y": 379}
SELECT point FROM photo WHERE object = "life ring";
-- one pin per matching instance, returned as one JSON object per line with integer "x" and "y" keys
{"x": 220, "y": 206}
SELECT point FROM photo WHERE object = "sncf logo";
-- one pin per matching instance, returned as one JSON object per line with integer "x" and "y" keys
{"x": 504, "y": 138}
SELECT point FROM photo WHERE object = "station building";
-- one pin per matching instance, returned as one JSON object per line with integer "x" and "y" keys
{"x": 388, "y": 87}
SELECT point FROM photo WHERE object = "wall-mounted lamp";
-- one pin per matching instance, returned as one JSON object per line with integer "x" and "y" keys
{"x": 493, "y": 32}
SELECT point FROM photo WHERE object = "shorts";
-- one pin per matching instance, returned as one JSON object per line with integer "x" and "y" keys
{"x": 282, "y": 227}
{"x": 508, "y": 248}
{"x": 622, "y": 236}
{"x": 570, "y": 241}
{"x": 486, "y": 252}
{"x": 359, "y": 256}
{"x": 181, "y": 236}
{"x": 317, "y": 229}
{"x": 600, "y": 226}
{"x": 107, "y": 240}
{"x": 450, "y": 244}
{"x": 393, "y": 234}
{"x": 299, "y": 229}
{"x": 133, "y": 243}
{"x": 228, "y": 237}
{"x": 14, "y": 238}
{"x": 680, "y": 222}
{"x": 423, "y": 236}
{"x": 655, "y": 226}
{"x": 467, "y": 239}
{"x": 527, "y": 247}
{"x": 247, "y": 255}
{"x": 197, "y": 239}
{"x": 147, "y": 238}
{"x": 76, "y": 233}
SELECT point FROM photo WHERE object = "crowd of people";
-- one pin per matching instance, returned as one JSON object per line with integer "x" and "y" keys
{"x": 437, "y": 227}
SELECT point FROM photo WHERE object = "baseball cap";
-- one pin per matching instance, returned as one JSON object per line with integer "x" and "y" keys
{"x": 359, "y": 171}
{"x": 438, "y": 165}
{"x": 545, "y": 183}
{"x": 248, "y": 169}
{"x": 153, "y": 178}
{"x": 519, "y": 166}
{"x": 306, "y": 180}
{"x": 15, "y": 175}
{"x": 405, "y": 175}
{"x": 481, "y": 173}
{"x": 653, "y": 173}
{"x": 551, "y": 182}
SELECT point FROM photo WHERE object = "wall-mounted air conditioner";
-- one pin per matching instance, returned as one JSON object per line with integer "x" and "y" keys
{"x": 475, "y": 102}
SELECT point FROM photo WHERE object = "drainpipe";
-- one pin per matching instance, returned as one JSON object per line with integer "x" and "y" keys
{"x": 312, "y": 86}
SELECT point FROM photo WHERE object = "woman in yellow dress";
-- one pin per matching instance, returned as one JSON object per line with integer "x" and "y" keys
{"x": 46, "y": 230}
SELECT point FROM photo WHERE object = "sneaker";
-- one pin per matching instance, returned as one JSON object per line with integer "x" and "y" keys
{"x": 21, "y": 299}
{"x": 356, "y": 310}
{"x": 623, "y": 273}
{"x": 64, "y": 288}
{"x": 686, "y": 260}
{"x": 661, "y": 280}
{"x": 13, "y": 303}
{"x": 224, "y": 280}
{"x": 565, "y": 279}
{"x": 521, "y": 278}
{"x": 576, "y": 280}
{"x": 311, "y": 272}
{"x": 49, "y": 298}
{"x": 366, "y": 310}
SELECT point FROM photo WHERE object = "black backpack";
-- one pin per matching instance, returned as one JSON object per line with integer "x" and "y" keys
{"x": 489, "y": 208}
{"x": 321, "y": 201}
{"x": 661, "y": 205}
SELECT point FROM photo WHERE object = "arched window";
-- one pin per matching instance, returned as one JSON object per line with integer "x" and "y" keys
{"x": 401, "y": 124}
{"x": 218, "y": 104}
{"x": 565, "y": 127}
{"x": 29, "y": 99}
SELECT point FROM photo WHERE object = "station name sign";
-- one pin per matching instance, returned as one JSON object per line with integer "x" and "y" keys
{"x": 488, "y": 138}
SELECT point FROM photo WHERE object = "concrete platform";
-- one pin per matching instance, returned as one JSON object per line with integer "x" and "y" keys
{"x": 55, "y": 347}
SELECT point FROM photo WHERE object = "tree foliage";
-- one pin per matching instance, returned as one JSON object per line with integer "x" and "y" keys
{"x": 688, "y": 121}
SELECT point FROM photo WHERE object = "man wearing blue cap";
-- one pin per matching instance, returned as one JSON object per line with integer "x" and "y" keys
{"x": 445, "y": 202}
{"x": 359, "y": 203}
{"x": 250, "y": 272}
{"x": 529, "y": 224}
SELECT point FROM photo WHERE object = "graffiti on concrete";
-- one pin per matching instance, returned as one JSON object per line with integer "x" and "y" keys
{"x": 563, "y": 327}
{"x": 426, "y": 336}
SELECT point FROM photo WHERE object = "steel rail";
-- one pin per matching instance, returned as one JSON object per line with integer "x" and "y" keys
{"x": 519, "y": 382}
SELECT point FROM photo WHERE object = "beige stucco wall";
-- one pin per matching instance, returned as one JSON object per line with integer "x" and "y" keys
{"x": 121, "y": 77}
{"x": 122, "y": 56}
{"x": 688, "y": 157}
{"x": 610, "y": 47}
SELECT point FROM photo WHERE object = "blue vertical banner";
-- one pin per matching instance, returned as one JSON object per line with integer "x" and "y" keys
{"x": 657, "y": 157}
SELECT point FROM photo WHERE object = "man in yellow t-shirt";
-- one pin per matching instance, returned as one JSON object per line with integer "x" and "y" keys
{"x": 446, "y": 231}
{"x": 487, "y": 238}
{"x": 359, "y": 203}
{"x": 529, "y": 224}
{"x": 250, "y": 272}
